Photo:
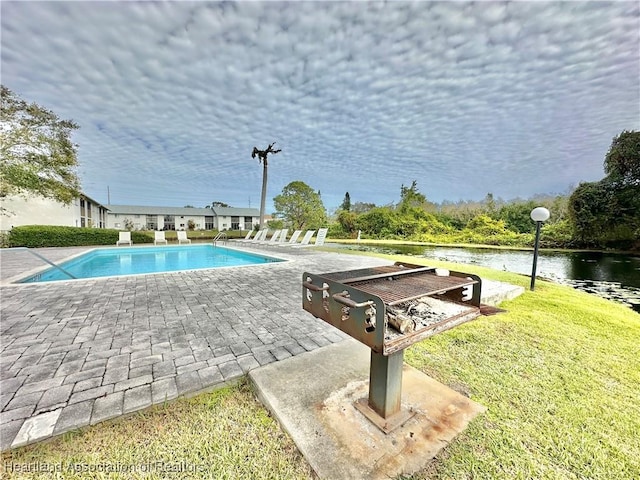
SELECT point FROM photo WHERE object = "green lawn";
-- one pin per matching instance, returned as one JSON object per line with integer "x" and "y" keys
{"x": 221, "y": 435}
{"x": 559, "y": 373}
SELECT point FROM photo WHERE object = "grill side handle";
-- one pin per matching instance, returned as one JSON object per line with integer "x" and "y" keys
{"x": 314, "y": 288}
{"x": 358, "y": 314}
{"x": 344, "y": 300}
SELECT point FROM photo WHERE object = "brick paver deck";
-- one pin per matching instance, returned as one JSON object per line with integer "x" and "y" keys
{"x": 77, "y": 353}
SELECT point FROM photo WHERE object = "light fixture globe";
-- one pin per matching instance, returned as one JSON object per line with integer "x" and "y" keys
{"x": 540, "y": 214}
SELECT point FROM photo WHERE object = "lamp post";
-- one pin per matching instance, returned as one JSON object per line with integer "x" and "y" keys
{"x": 538, "y": 215}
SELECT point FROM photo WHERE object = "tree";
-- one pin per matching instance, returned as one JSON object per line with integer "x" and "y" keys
{"x": 300, "y": 206}
{"x": 218, "y": 204}
{"x": 490, "y": 205}
{"x": 589, "y": 210}
{"x": 362, "y": 207}
{"x": 346, "y": 203}
{"x": 622, "y": 162}
{"x": 37, "y": 155}
{"x": 128, "y": 224}
{"x": 485, "y": 225}
{"x": 380, "y": 222}
{"x": 347, "y": 221}
{"x": 517, "y": 216}
{"x": 410, "y": 197}
{"x": 607, "y": 213}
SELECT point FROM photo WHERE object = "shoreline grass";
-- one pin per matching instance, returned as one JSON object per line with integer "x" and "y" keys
{"x": 559, "y": 373}
{"x": 347, "y": 241}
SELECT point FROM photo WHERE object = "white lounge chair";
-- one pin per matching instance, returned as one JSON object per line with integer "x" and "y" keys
{"x": 320, "y": 238}
{"x": 283, "y": 235}
{"x": 261, "y": 235}
{"x": 304, "y": 241}
{"x": 159, "y": 238}
{"x": 280, "y": 240}
{"x": 258, "y": 238}
{"x": 125, "y": 238}
{"x": 294, "y": 237}
{"x": 272, "y": 240}
{"x": 248, "y": 238}
{"x": 182, "y": 237}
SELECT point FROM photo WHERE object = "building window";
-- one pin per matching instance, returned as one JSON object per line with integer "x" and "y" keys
{"x": 169, "y": 222}
{"x": 151, "y": 222}
{"x": 208, "y": 223}
{"x": 117, "y": 225}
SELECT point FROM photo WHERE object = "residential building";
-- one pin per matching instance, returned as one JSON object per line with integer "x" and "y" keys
{"x": 36, "y": 210}
{"x": 86, "y": 212}
{"x": 230, "y": 218}
{"x": 138, "y": 217}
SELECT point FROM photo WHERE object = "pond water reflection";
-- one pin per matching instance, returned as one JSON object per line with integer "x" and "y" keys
{"x": 619, "y": 270}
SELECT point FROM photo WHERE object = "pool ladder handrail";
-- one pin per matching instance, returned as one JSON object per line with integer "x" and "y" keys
{"x": 44, "y": 259}
{"x": 221, "y": 236}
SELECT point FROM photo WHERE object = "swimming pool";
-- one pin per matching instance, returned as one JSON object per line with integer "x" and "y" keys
{"x": 139, "y": 260}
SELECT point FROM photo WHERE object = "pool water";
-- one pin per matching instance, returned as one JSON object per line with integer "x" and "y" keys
{"x": 134, "y": 261}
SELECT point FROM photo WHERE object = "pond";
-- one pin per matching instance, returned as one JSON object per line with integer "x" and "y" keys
{"x": 612, "y": 275}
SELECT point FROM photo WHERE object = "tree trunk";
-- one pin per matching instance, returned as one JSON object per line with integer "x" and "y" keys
{"x": 264, "y": 193}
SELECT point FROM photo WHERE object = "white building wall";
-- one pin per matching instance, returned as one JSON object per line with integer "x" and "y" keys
{"x": 221, "y": 223}
{"x": 182, "y": 222}
{"x": 224, "y": 222}
{"x": 117, "y": 221}
{"x": 39, "y": 211}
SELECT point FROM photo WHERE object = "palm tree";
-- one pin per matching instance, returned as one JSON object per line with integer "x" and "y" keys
{"x": 262, "y": 158}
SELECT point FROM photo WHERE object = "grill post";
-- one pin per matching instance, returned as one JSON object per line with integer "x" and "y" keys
{"x": 356, "y": 302}
{"x": 385, "y": 383}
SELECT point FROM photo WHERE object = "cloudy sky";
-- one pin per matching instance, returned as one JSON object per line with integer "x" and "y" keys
{"x": 516, "y": 99}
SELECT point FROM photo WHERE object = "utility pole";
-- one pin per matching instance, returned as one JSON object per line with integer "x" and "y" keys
{"x": 262, "y": 158}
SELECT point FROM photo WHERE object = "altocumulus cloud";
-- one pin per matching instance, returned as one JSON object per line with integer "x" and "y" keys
{"x": 509, "y": 98}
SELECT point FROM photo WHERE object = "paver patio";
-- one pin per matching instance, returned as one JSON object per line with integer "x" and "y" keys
{"x": 77, "y": 353}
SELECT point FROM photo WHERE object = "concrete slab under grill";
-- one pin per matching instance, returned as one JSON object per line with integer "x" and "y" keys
{"x": 312, "y": 396}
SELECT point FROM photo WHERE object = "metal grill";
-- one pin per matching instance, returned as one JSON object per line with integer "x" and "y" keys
{"x": 373, "y": 304}
{"x": 403, "y": 289}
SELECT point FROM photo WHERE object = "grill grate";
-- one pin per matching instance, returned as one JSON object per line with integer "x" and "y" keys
{"x": 362, "y": 272}
{"x": 355, "y": 301}
{"x": 394, "y": 290}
